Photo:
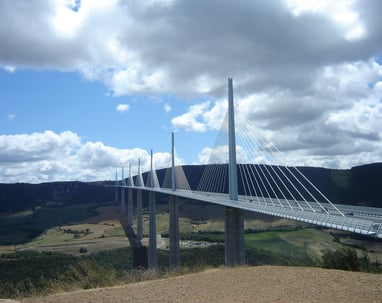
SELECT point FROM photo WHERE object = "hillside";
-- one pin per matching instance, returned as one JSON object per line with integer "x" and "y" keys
{"x": 262, "y": 284}
{"x": 21, "y": 196}
{"x": 359, "y": 186}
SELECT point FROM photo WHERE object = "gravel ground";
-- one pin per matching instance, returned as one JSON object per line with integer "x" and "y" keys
{"x": 262, "y": 284}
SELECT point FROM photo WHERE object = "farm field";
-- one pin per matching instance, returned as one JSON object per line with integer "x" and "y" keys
{"x": 93, "y": 249}
{"x": 100, "y": 228}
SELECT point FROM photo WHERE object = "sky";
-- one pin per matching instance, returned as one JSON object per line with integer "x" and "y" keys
{"x": 88, "y": 86}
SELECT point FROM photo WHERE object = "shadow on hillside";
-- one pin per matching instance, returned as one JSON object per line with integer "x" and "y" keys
{"x": 139, "y": 251}
{"x": 20, "y": 228}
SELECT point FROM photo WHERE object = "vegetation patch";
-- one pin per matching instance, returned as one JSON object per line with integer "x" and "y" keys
{"x": 34, "y": 223}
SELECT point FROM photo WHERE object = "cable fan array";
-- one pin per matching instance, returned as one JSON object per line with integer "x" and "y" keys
{"x": 261, "y": 178}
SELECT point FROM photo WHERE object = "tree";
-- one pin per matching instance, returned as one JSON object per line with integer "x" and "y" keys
{"x": 345, "y": 258}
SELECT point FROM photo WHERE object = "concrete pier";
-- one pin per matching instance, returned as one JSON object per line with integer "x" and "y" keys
{"x": 130, "y": 183}
{"x": 123, "y": 202}
{"x": 152, "y": 254}
{"x": 174, "y": 254}
{"x": 130, "y": 207}
{"x": 234, "y": 224}
{"x": 234, "y": 237}
{"x": 123, "y": 197}
{"x": 139, "y": 183}
{"x": 139, "y": 215}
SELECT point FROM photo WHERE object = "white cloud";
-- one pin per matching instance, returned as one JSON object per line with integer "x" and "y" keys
{"x": 220, "y": 154}
{"x": 305, "y": 71}
{"x": 174, "y": 46}
{"x": 336, "y": 123}
{"x": 66, "y": 21}
{"x": 9, "y": 68}
{"x": 36, "y": 146}
{"x": 189, "y": 120}
{"x": 48, "y": 156}
{"x": 122, "y": 108}
{"x": 11, "y": 116}
{"x": 341, "y": 12}
{"x": 167, "y": 107}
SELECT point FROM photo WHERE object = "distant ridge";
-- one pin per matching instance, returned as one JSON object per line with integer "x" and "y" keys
{"x": 360, "y": 185}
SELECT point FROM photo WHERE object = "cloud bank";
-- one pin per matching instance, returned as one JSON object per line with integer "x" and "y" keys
{"x": 307, "y": 73}
{"x": 49, "y": 156}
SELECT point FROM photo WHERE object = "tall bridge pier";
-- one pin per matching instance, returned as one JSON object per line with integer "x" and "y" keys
{"x": 305, "y": 207}
{"x": 130, "y": 199}
{"x": 139, "y": 183}
{"x": 174, "y": 253}
{"x": 234, "y": 223}
{"x": 152, "y": 255}
{"x": 123, "y": 198}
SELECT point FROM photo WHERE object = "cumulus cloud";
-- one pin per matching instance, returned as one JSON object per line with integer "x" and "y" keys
{"x": 11, "y": 116}
{"x": 305, "y": 72}
{"x": 10, "y": 69}
{"x": 336, "y": 123}
{"x": 193, "y": 119}
{"x": 167, "y": 107}
{"x": 48, "y": 156}
{"x": 189, "y": 47}
{"x": 122, "y": 108}
{"x": 36, "y": 146}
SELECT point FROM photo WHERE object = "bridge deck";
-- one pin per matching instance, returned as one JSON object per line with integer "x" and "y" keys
{"x": 357, "y": 219}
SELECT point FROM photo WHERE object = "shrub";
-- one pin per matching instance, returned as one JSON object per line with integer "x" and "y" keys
{"x": 345, "y": 258}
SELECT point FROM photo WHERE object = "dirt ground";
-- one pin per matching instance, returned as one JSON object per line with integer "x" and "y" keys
{"x": 263, "y": 284}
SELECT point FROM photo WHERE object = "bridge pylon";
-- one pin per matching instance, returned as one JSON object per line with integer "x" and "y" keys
{"x": 130, "y": 183}
{"x": 116, "y": 186}
{"x": 123, "y": 199}
{"x": 234, "y": 223}
{"x": 139, "y": 183}
{"x": 152, "y": 256}
{"x": 174, "y": 250}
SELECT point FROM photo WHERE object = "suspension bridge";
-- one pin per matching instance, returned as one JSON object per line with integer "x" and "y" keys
{"x": 274, "y": 189}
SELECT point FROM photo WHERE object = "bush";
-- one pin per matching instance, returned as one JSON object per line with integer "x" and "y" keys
{"x": 83, "y": 250}
{"x": 345, "y": 258}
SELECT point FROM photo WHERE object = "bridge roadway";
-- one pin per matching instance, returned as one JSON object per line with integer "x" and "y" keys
{"x": 356, "y": 219}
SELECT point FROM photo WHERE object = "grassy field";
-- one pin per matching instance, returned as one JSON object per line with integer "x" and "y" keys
{"x": 68, "y": 229}
{"x": 295, "y": 244}
{"x": 86, "y": 246}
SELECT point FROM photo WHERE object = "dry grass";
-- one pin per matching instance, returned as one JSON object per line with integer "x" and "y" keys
{"x": 263, "y": 284}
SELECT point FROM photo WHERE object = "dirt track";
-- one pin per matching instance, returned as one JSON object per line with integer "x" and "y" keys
{"x": 249, "y": 284}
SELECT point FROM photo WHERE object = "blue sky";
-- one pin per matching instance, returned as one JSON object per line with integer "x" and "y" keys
{"x": 61, "y": 101}
{"x": 88, "y": 86}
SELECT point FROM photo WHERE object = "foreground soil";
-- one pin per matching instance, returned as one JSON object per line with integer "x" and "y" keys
{"x": 260, "y": 284}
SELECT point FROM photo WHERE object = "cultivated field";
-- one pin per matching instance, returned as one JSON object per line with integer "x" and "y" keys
{"x": 88, "y": 230}
{"x": 103, "y": 231}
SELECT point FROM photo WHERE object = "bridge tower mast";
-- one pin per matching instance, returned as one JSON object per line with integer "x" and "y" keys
{"x": 130, "y": 199}
{"x": 152, "y": 257}
{"x": 116, "y": 186}
{"x": 234, "y": 224}
{"x": 174, "y": 253}
{"x": 139, "y": 183}
{"x": 123, "y": 200}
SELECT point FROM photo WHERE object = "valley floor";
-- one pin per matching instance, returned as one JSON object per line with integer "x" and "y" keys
{"x": 261, "y": 284}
